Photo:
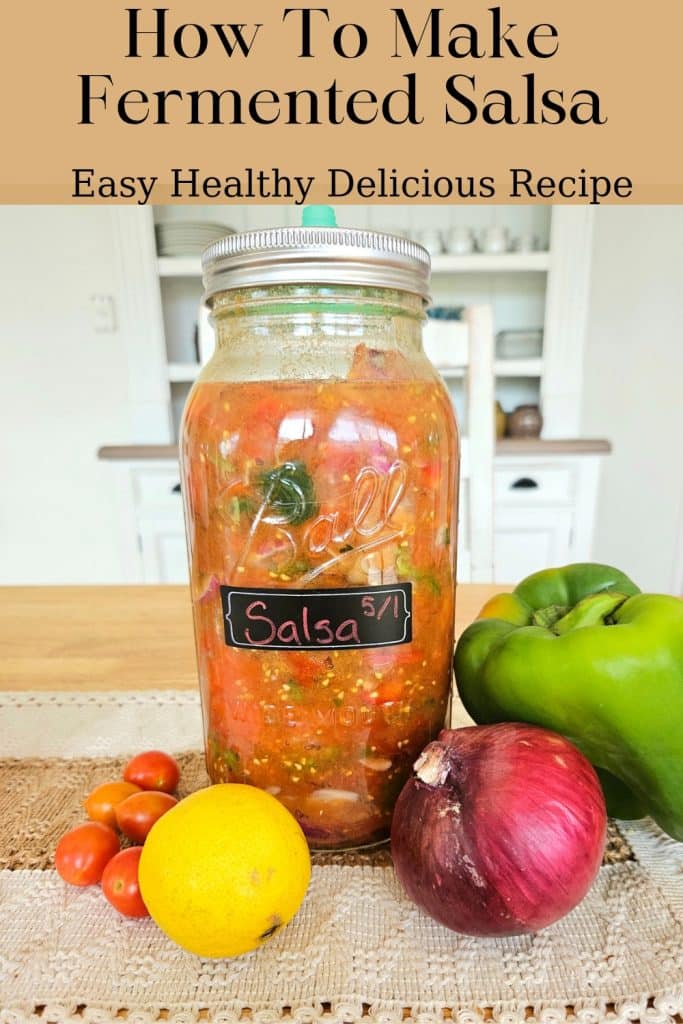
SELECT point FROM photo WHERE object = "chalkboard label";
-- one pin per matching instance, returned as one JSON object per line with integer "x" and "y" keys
{"x": 311, "y": 620}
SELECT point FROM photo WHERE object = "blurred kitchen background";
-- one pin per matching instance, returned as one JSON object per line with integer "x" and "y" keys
{"x": 102, "y": 335}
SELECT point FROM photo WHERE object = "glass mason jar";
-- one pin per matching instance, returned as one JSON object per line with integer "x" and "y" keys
{"x": 319, "y": 460}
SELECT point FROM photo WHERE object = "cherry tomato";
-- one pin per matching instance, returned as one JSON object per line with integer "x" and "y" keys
{"x": 120, "y": 883}
{"x": 136, "y": 815}
{"x": 84, "y": 852}
{"x": 100, "y": 804}
{"x": 153, "y": 770}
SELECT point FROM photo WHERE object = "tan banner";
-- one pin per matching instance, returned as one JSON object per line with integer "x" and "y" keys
{"x": 522, "y": 101}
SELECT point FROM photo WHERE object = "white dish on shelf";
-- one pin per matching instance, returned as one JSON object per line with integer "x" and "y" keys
{"x": 194, "y": 226}
{"x": 525, "y": 343}
{"x": 188, "y": 238}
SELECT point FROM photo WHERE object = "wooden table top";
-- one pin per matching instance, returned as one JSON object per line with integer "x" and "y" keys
{"x": 118, "y": 637}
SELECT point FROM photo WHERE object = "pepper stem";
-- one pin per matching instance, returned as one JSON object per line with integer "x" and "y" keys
{"x": 547, "y": 617}
{"x": 594, "y": 609}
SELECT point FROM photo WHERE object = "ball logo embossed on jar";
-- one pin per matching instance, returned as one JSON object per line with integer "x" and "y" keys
{"x": 375, "y": 497}
{"x": 371, "y": 503}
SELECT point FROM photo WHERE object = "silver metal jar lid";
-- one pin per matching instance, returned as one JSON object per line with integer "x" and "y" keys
{"x": 315, "y": 255}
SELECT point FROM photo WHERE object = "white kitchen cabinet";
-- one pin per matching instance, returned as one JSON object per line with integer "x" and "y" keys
{"x": 156, "y": 489}
{"x": 155, "y": 492}
{"x": 544, "y": 511}
{"x": 528, "y": 539}
{"x": 163, "y": 553}
{"x": 151, "y": 537}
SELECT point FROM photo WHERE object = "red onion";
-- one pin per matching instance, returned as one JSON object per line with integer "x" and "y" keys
{"x": 501, "y": 831}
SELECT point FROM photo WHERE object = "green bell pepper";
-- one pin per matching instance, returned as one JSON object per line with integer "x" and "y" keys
{"x": 581, "y": 651}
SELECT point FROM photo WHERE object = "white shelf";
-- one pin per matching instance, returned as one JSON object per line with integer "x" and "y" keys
{"x": 485, "y": 262}
{"x": 451, "y": 372}
{"x": 476, "y": 262}
{"x": 183, "y": 373}
{"x": 518, "y": 367}
{"x": 501, "y": 368}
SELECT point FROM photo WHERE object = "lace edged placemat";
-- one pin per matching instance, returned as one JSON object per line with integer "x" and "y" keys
{"x": 358, "y": 950}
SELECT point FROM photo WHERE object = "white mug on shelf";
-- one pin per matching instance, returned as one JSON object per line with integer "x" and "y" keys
{"x": 431, "y": 240}
{"x": 460, "y": 241}
{"x": 526, "y": 242}
{"x": 495, "y": 239}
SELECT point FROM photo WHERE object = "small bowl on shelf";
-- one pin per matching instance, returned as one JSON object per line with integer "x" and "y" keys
{"x": 525, "y": 421}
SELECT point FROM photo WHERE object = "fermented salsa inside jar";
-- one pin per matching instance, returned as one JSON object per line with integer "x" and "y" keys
{"x": 323, "y": 485}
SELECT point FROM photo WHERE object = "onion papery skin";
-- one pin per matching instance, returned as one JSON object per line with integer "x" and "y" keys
{"x": 507, "y": 833}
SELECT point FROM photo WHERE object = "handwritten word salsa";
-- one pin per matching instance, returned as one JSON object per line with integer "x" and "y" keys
{"x": 373, "y": 617}
{"x": 322, "y": 551}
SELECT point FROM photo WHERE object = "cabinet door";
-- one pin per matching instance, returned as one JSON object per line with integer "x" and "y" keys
{"x": 529, "y": 539}
{"x": 164, "y": 554}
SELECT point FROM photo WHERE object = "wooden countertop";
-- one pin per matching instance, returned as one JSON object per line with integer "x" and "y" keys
{"x": 111, "y": 637}
{"x": 507, "y": 446}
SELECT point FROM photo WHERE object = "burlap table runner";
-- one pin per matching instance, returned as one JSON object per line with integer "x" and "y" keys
{"x": 357, "y": 950}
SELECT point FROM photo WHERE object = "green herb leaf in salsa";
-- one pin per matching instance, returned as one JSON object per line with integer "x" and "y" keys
{"x": 298, "y": 567}
{"x": 219, "y": 754}
{"x": 289, "y": 492}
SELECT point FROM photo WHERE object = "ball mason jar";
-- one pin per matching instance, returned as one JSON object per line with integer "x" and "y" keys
{"x": 319, "y": 455}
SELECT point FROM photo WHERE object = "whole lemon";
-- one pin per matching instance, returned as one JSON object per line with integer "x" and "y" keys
{"x": 224, "y": 870}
